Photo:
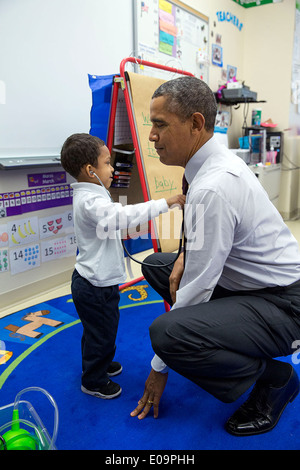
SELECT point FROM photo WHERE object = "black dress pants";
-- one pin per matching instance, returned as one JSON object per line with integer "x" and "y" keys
{"x": 98, "y": 310}
{"x": 222, "y": 345}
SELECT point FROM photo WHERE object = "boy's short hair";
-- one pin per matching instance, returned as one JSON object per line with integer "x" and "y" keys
{"x": 80, "y": 150}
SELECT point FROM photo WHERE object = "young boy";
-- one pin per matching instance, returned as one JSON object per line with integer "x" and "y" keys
{"x": 99, "y": 267}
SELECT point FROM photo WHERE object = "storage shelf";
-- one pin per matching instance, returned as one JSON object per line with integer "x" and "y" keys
{"x": 235, "y": 101}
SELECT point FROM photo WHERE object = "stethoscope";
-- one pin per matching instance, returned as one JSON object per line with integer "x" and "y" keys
{"x": 125, "y": 249}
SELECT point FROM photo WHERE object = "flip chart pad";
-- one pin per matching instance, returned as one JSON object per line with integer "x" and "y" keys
{"x": 162, "y": 180}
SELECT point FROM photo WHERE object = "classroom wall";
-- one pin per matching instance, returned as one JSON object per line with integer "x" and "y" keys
{"x": 262, "y": 53}
{"x": 270, "y": 70}
{"x": 268, "y": 49}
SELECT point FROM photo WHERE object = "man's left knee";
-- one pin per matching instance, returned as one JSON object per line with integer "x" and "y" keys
{"x": 158, "y": 334}
{"x": 147, "y": 270}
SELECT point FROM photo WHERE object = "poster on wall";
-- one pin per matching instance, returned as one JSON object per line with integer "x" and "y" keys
{"x": 173, "y": 34}
{"x": 231, "y": 73}
{"x": 217, "y": 55}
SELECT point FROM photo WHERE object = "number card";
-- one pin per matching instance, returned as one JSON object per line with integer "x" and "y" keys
{"x": 53, "y": 249}
{"x": 56, "y": 224}
{"x": 24, "y": 258}
{"x": 23, "y": 231}
{"x": 4, "y": 265}
{"x": 68, "y": 221}
{"x": 58, "y": 248}
{"x": 51, "y": 225}
{"x": 3, "y": 235}
{"x": 71, "y": 245}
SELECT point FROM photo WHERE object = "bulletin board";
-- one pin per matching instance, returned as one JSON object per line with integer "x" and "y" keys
{"x": 172, "y": 33}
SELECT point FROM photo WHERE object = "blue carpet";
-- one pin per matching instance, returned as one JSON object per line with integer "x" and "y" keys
{"x": 189, "y": 418}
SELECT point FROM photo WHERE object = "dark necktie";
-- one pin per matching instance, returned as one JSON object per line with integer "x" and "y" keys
{"x": 185, "y": 187}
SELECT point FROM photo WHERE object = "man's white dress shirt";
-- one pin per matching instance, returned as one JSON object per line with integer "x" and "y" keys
{"x": 236, "y": 237}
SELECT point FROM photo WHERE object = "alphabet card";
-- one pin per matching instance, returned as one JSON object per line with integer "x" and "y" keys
{"x": 24, "y": 258}
{"x": 23, "y": 231}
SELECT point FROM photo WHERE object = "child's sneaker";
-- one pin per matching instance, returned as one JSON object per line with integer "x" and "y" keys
{"x": 115, "y": 368}
{"x": 107, "y": 391}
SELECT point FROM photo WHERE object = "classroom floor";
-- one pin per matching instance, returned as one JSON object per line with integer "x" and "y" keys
{"x": 294, "y": 226}
{"x": 46, "y": 362}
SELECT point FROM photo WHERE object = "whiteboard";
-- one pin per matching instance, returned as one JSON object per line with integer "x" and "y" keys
{"x": 47, "y": 50}
{"x": 171, "y": 33}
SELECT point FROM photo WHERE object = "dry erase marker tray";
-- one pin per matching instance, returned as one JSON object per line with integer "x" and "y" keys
{"x": 11, "y": 163}
{"x": 122, "y": 168}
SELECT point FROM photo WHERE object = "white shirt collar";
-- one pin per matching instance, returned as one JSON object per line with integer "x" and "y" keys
{"x": 92, "y": 187}
{"x": 197, "y": 160}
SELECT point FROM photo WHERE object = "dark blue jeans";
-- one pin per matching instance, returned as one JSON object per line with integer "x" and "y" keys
{"x": 98, "y": 310}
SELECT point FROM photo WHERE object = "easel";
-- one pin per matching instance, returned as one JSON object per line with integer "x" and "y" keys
{"x": 121, "y": 80}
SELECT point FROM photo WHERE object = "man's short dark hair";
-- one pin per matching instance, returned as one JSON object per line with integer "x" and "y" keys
{"x": 80, "y": 150}
{"x": 187, "y": 95}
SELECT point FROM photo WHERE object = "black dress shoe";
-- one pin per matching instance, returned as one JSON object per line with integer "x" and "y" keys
{"x": 261, "y": 412}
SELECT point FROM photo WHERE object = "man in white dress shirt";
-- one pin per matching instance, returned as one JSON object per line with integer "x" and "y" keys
{"x": 235, "y": 291}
